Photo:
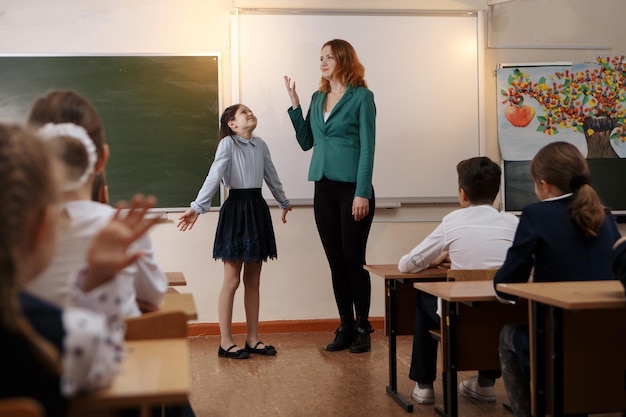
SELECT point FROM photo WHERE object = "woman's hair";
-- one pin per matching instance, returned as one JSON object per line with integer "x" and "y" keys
{"x": 228, "y": 115}
{"x": 349, "y": 70}
{"x": 27, "y": 188}
{"x": 479, "y": 177}
{"x": 562, "y": 165}
{"x": 66, "y": 106}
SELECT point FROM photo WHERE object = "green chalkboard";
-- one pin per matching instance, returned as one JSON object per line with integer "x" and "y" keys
{"x": 160, "y": 114}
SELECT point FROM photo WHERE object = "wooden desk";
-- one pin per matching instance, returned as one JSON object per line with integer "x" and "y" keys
{"x": 471, "y": 325}
{"x": 176, "y": 279}
{"x": 392, "y": 277}
{"x": 174, "y": 301}
{"x": 154, "y": 372}
{"x": 578, "y": 345}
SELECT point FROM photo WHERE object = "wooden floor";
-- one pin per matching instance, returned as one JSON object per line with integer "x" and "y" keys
{"x": 304, "y": 380}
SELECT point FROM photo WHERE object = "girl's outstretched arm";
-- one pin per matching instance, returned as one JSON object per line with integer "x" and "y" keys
{"x": 187, "y": 220}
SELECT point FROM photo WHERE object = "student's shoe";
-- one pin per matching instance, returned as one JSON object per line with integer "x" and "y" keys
{"x": 471, "y": 388}
{"x": 425, "y": 395}
{"x": 268, "y": 350}
{"x": 232, "y": 354}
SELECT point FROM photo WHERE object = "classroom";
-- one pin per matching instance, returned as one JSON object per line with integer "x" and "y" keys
{"x": 296, "y": 290}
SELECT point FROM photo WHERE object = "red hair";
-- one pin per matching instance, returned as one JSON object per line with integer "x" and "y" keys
{"x": 349, "y": 70}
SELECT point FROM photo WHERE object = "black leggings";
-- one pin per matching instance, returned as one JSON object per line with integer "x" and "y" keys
{"x": 345, "y": 241}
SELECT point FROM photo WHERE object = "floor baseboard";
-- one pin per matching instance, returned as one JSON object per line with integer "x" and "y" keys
{"x": 278, "y": 326}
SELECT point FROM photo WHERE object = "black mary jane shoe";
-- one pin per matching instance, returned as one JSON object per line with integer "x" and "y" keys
{"x": 268, "y": 350}
{"x": 344, "y": 335}
{"x": 229, "y": 353}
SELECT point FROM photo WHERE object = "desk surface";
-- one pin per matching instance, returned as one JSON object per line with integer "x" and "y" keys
{"x": 458, "y": 292}
{"x": 571, "y": 295}
{"x": 390, "y": 271}
{"x": 153, "y": 372}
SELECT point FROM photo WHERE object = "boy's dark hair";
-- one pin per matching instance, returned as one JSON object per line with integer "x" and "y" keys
{"x": 479, "y": 177}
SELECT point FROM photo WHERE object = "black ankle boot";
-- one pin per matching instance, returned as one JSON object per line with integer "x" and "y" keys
{"x": 344, "y": 335}
{"x": 362, "y": 339}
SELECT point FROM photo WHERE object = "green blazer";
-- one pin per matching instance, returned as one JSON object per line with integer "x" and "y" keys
{"x": 343, "y": 146}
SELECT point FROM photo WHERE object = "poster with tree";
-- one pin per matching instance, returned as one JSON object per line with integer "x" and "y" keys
{"x": 583, "y": 104}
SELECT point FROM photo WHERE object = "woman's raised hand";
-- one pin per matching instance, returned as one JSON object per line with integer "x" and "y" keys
{"x": 291, "y": 90}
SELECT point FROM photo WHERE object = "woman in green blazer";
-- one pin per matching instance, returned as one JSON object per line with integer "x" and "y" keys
{"x": 340, "y": 126}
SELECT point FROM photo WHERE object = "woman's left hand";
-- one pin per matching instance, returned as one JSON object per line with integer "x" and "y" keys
{"x": 360, "y": 208}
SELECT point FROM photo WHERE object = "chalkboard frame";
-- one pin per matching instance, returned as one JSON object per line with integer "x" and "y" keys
{"x": 162, "y": 146}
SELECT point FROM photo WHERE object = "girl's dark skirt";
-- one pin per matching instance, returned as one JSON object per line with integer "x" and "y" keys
{"x": 244, "y": 229}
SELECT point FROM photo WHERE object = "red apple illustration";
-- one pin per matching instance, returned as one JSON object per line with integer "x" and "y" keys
{"x": 519, "y": 116}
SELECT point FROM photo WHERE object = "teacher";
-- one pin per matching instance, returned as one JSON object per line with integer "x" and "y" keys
{"x": 341, "y": 127}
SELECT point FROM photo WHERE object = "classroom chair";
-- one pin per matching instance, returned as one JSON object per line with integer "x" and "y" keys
{"x": 157, "y": 325}
{"x": 21, "y": 407}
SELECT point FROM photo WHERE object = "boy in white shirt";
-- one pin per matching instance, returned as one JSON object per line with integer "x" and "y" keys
{"x": 477, "y": 236}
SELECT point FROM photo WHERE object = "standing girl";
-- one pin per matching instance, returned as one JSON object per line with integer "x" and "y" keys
{"x": 340, "y": 126}
{"x": 244, "y": 235}
{"x": 568, "y": 236}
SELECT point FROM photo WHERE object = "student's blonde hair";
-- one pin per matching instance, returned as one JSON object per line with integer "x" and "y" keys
{"x": 27, "y": 188}
{"x": 562, "y": 165}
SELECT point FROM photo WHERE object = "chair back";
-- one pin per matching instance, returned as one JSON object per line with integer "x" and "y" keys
{"x": 21, "y": 407}
{"x": 471, "y": 274}
{"x": 157, "y": 325}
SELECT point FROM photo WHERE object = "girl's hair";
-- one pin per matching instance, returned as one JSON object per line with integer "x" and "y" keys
{"x": 66, "y": 106}
{"x": 349, "y": 70}
{"x": 561, "y": 164}
{"x": 27, "y": 188}
{"x": 228, "y": 115}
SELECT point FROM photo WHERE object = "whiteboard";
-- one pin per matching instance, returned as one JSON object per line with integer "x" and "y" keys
{"x": 422, "y": 69}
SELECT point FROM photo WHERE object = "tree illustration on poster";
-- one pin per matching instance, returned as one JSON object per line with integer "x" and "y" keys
{"x": 590, "y": 101}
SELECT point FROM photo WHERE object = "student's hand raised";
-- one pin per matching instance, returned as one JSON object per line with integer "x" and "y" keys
{"x": 108, "y": 253}
{"x": 291, "y": 90}
{"x": 187, "y": 220}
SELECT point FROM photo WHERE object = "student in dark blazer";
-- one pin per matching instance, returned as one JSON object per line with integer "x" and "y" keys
{"x": 340, "y": 126}
{"x": 568, "y": 236}
{"x": 618, "y": 260}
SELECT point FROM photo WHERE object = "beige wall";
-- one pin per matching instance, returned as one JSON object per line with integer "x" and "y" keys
{"x": 297, "y": 285}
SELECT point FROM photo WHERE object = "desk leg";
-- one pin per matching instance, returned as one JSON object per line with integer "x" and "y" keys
{"x": 556, "y": 358}
{"x": 392, "y": 388}
{"x": 450, "y": 395}
{"x": 538, "y": 360}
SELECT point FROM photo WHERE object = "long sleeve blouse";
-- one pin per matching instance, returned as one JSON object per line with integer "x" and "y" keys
{"x": 240, "y": 164}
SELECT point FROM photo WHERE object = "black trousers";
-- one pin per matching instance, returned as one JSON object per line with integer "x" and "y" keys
{"x": 345, "y": 241}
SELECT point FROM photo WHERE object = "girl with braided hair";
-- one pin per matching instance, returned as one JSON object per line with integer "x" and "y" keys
{"x": 49, "y": 353}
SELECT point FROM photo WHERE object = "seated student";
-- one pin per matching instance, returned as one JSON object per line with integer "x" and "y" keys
{"x": 48, "y": 353}
{"x": 99, "y": 188}
{"x": 568, "y": 236}
{"x": 68, "y": 114}
{"x": 474, "y": 237}
{"x": 618, "y": 260}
